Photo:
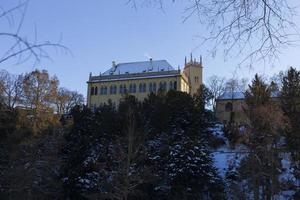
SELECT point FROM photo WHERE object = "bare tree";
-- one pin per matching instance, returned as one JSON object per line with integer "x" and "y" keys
{"x": 67, "y": 99}
{"x": 20, "y": 47}
{"x": 216, "y": 85}
{"x": 131, "y": 172}
{"x": 10, "y": 88}
{"x": 40, "y": 91}
{"x": 234, "y": 85}
{"x": 258, "y": 29}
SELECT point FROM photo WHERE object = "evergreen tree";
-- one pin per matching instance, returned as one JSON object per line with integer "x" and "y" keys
{"x": 290, "y": 103}
{"x": 261, "y": 166}
{"x": 128, "y": 154}
{"x": 182, "y": 164}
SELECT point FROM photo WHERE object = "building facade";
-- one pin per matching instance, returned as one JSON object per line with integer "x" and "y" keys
{"x": 230, "y": 107}
{"x": 142, "y": 78}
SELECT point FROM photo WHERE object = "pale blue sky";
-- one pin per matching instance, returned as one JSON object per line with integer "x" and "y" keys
{"x": 99, "y": 31}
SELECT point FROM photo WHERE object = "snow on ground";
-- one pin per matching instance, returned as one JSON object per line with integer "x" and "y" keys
{"x": 225, "y": 157}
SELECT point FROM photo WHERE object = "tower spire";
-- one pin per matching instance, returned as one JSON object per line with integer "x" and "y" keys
{"x": 201, "y": 60}
{"x": 191, "y": 57}
{"x": 185, "y": 61}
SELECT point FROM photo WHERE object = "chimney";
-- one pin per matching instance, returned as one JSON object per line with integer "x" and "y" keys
{"x": 114, "y": 63}
{"x": 150, "y": 59}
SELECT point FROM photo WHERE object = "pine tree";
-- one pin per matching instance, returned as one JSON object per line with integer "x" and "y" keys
{"x": 290, "y": 103}
{"x": 179, "y": 154}
{"x": 261, "y": 166}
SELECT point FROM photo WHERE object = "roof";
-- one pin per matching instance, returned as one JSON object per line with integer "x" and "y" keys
{"x": 136, "y": 76}
{"x": 139, "y": 67}
{"x": 231, "y": 95}
{"x": 240, "y": 95}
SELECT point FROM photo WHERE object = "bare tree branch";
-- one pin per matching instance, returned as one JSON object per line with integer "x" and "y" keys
{"x": 257, "y": 30}
{"x": 22, "y": 48}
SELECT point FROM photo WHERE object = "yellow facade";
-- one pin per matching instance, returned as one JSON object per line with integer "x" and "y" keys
{"x": 98, "y": 99}
{"x": 230, "y": 107}
{"x": 193, "y": 70}
{"x": 224, "y": 114}
{"x": 140, "y": 79}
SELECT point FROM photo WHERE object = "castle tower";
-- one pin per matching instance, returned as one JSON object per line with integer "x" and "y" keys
{"x": 193, "y": 70}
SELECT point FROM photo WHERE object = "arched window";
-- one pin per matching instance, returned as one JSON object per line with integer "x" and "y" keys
{"x": 163, "y": 85}
{"x": 96, "y": 90}
{"x": 171, "y": 85}
{"x": 228, "y": 106}
{"x": 140, "y": 87}
{"x": 124, "y": 89}
{"x": 150, "y": 87}
{"x": 92, "y": 91}
{"x": 130, "y": 88}
{"x": 134, "y": 88}
{"x": 160, "y": 86}
{"x": 175, "y": 85}
{"x": 154, "y": 87}
{"x": 144, "y": 87}
{"x": 114, "y": 89}
{"x": 105, "y": 90}
{"x": 121, "y": 89}
{"x": 111, "y": 90}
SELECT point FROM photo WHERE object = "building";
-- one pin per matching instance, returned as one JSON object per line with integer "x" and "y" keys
{"x": 142, "y": 78}
{"x": 230, "y": 107}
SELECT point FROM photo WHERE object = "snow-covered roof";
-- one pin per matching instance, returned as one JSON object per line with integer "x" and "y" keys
{"x": 231, "y": 95}
{"x": 139, "y": 67}
{"x": 240, "y": 95}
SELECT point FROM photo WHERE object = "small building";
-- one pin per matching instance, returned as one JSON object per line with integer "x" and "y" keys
{"x": 142, "y": 78}
{"x": 230, "y": 107}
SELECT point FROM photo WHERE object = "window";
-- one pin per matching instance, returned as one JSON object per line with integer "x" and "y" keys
{"x": 160, "y": 86}
{"x": 140, "y": 87}
{"x": 111, "y": 90}
{"x": 163, "y": 85}
{"x": 114, "y": 89}
{"x": 175, "y": 85}
{"x": 105, "y": 90}
{"x": 120, "y": 89}
{"x": 96, "y": 90}
{"x": 150, "y": 87}
{"x": 92, "y": 91}
{"x": 171, "y": 85}
{"x": 154, "y": 87}
{"x": 132, "y": 88}
{"x": 228, "y": 106}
